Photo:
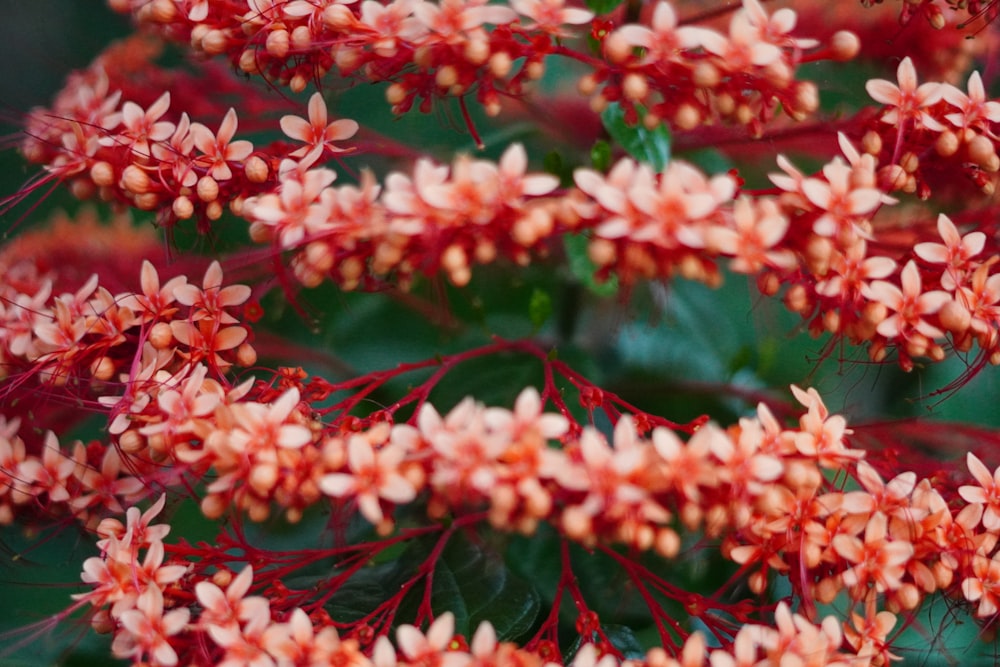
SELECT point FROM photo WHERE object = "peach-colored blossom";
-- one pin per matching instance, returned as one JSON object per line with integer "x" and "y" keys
{"x": 145, "y": 630}
{"x": 974, "y": 109}
{"x": 218, "y": 150}
{"x": 907, "y": 99}
{"x": 987, "y": 493}
{"x": 317, "y": 133}
{"x": 909, "y": 303}
{"x": 374, "y": 475}
{"x": 955, "y": 253}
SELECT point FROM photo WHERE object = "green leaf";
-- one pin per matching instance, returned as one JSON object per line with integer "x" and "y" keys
{"x": 583, "y": 269}
{"x": 370, "y": 586}
{"x": 623, "y": 639}
{"x": 472, "y": 582}
{"x": 600, "y": 155}
{"x": 362, "y": 593}
{"x": 554, "y": 163}
{"x": 603, "y": 6}
{"x": 539, "y": 307}
{"x": 645, "y": 145}
{"x": 620, "y": 636}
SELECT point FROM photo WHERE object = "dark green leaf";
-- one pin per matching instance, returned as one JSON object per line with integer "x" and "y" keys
{"x": 600, "y": 155}
{"x": 362, "y": 593}
{"x": 598, "y": 574}
{"x": 471, "y": 581}
{"x": 645, "y": 145}
{"x": 603, "y": 6}
{"x": 555, "y": 164}
{"x": 370, "y": 586}
{"x": 537, "y": 557}
{"x": 539, "y": 307}
{"x": 623, "y": 638}
{"x": 620, "y": 636}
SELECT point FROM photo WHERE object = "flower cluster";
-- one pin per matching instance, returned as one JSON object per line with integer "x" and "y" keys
{"x": 886, "y": 543}
{"x": 430, "y": 50}
{"x": 741, "y": 78}
{"x": 438, "y": 219}
{"x": 457, "y": 532}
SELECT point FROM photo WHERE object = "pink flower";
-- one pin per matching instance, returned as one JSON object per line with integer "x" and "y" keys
{"x": 757, "y": 228}
{"x": 822, "y": 434}
{"x": 550, "y": 14}
{"x": 154, "y": 301}
{"x": 844, "y": 205}
{"x": 260, "y": 426}
{"x": 137, "y": 530}
{"x": 974, "y": 110}
{"x": 302, "y": 205}
{"x": 663, "y": 39}
{"x": 852, "y": 270}
{"x": 877, "y": 559}
{"x": 984, "y": 586}
{"x": 140, "y": 127}
{"x": 987, "y": 493}
{"x": 317, "y": 133}
{"x": 146, "y": 629}
{"x": 228, "y": 609}
{"x": 218, "y": 150}
{"x": 956, "y": 251}
{"x": 891, "y": 498}
{"x": 210, "y": 301}
{"x": 909, "y": 304}
{"x": 431, "y": 649}
{"x": 388, "y": 24}
{"x": 454, "y": 19}
{"x": 907, "y": 99}
{"x": 467, "y": 448}
{"x": 374, "y": 475}
{"x": 515, "y": 182}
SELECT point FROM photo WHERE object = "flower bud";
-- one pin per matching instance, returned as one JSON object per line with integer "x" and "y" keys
{"x": 705, "y": 75}
{"x": 277, "y": 44}
{"x": 500, "y": 64}
{"x": 844, "y": 45}
{"x": 214, "y": 42}
{"x": 635, "y": 87}
{"x": 102, "y": 173}
{"x": 182, "y": 207}
{"x": 301, "y": 38}
{"x": 338, "y": 17}
{"x": 135, "y": 180}
{"x": 208, "y": 189}
{"x": 256, "y": 170}
{"x": 947, "y": 144}
{"x": 954, "y": 317}
{"x": 616, "y": 48}
{"x": 161, "y": 336}
{"x": 687, "y": 117}
{"x": 981, "y": 151}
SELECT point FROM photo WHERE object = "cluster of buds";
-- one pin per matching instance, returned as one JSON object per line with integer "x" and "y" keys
{"x": 939, "y": 12}
{"x": 758, "y": 485}
{"x": 41, "y": 480}
{"x": 692, "y": 76}
{"x": 164, "y": 612}
{"x": 438, "y": 219}
{"x": 108, "y": 145}
{"x": 925, "y": 133}
{"x": 427, "y": 50}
